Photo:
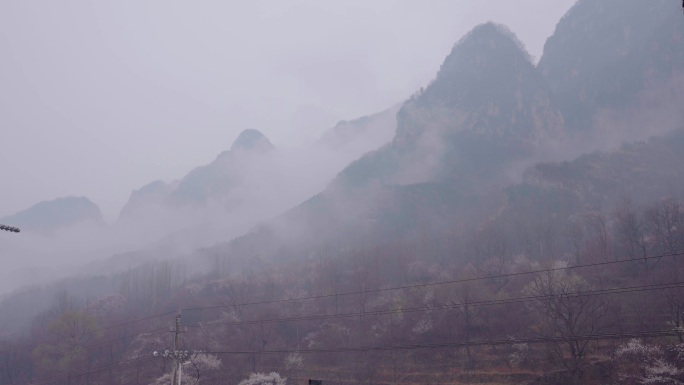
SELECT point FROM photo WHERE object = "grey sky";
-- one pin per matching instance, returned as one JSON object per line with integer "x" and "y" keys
{"x": 100, "y": 97}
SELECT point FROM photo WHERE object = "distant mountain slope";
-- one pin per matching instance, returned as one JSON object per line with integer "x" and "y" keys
{"x": 216, "y": 179}
{"x": 604, "y": 53}
{"x": 363, "y": 134}
{"x": 213, "y": 181}
{"x": 48, "y": 216}
{"x": 250, "y": 183}
{"x": 640, "y": 171}
{"x": 252, "y": 140}
{"x": 253, "y": 160}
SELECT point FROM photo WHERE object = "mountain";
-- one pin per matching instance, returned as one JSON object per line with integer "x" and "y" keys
{"x": 604, "y": 54}
{"x": 217, "y": 179}
{"x": 151, "y": 194}
{"x": 639, "y": 171}
{"x": 489, "y": 108}
{"x": 488, "y": 105}
{"x": 361, "y": 135}
{"x": 204, "y": 184}
{"x": 48, "y": 216}
{"x": 488, "y": 86}
{"x": 250, "y": 183}
{"x": 253, "y": 165}
{"x": 251, "y": 140}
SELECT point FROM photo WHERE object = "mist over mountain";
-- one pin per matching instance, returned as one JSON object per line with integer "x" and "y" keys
{"x": 49, "y": 216}
{"x": 461, "y": 141}
{"x": 251, "y": 182}
{"x": 458, "y": 220}
{"x": 487, "y": 106}
{"x": 209, "y": 182}
{"x": 363, "y": 134}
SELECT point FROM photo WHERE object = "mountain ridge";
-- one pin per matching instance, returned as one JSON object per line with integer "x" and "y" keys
{"x": 49, "y": 216}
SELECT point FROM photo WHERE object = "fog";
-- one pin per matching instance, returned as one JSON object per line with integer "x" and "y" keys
{"x": 98, "y": 99}
{"x": 263, "y": 185}
{"x": 123, "y": 95}
{"x": 102, "y": 99}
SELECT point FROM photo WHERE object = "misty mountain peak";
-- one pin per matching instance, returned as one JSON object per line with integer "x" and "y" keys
{"x": 252, "y": 140}
{"x": 48, "y": 216}
{"x": 485, "y": 49}
{"x": 485, "y": 65}
{"x": 487, "y": 86}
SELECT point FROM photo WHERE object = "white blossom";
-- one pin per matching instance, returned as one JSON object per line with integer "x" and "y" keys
{"x": 272, "y": 378}
{"x": 294, "y": 361}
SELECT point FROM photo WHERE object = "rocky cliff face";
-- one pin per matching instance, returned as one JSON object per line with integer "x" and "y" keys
{"x": 605, "y": 53}
{"x": 487, "y": 105}
{"x": 487, "y": 86}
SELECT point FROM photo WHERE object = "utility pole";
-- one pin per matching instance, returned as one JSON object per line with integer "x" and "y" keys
{"x": 177, "y": 355}
{"x": 178, "y": 371}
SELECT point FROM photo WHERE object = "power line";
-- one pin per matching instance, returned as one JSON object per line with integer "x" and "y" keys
{"x": 105, "y": 343}
{"x": 595, "y": 337}
{"x": 96, "y": 370}
{"x": 618, "y": 290}
{"x": 94, "y": 331}
{"x": 513, "y": 300}
{"x": 413, "y": 286}
{"x": 152, "y": 332}
{"x": 382, "y": 289}
{"x": 461, "y": 344}
{"x": 132, "y": 322}
{"x": 532, "y": 340}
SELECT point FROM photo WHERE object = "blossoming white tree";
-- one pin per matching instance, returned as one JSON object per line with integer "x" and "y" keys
{"x": 640, "y": 363}
{"x": 272, "y": 378}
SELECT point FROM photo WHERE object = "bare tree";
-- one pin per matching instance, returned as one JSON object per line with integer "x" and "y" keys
{"x": 569, "y": 315}
{"x": 598, "y": 240}
{"x": 14, "y": 359}
{"x": 574, "y": 233}
{"x": 471, "y": 314}
{"x": 492, "y": 251}
{"x": 630, "y": 237}
{"x": 663, "y": 223}
{"x": 238, "y": 293}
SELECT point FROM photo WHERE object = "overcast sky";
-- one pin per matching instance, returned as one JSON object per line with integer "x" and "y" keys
{"x": 98, "y": 98}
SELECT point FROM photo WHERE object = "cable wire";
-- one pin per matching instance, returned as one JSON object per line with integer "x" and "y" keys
{"x": 463, "y": 280}
{"x": 504, "y": 301}
{"x": 97, "y": 369}
{"x": 531, "y": 340}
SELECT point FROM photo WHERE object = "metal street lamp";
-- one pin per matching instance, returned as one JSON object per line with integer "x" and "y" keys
{"x": 10, "y": 228}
